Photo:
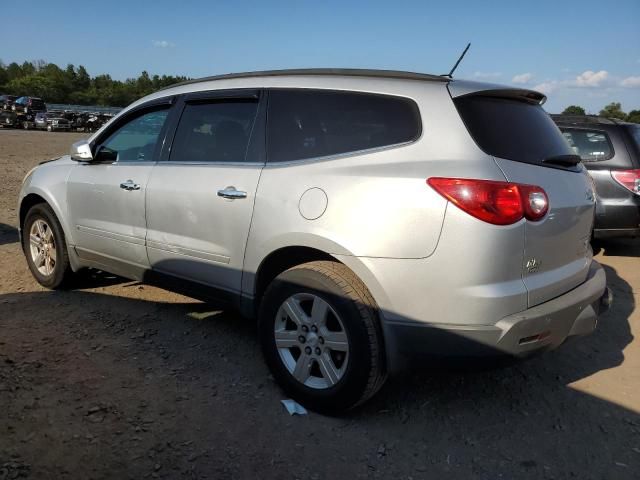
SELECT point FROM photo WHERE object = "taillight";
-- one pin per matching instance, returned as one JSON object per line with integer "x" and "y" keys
{"x": 499, "y": 203}
{"x": 629, "y": 179}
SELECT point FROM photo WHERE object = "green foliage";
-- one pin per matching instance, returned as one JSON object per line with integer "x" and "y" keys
{"x": 613, "y": 110}
{"x": 75, "y": 85}
{"x": 574, "y": 110}
{"x": 633, "y": 116}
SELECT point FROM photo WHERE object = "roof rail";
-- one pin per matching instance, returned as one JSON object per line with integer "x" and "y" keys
{"x": 350, "y": 72}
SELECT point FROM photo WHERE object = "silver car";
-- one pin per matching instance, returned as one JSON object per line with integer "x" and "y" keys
{"x": 369, "y": 220}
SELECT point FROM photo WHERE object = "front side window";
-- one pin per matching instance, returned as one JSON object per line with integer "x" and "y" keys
{"x": 136, "y": 140}
{"x": 591, "y": 145}
{"x": 217, "y": 131}
{"x": 315, "y": 123}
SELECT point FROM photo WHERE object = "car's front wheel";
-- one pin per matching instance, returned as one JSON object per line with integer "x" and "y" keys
{"x": 321, "y": 337}
{"x": 44, "y": 245}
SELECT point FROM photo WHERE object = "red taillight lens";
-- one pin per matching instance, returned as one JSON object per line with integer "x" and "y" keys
{"x": 629, "y": 179}
{"x": 499, "y": 203}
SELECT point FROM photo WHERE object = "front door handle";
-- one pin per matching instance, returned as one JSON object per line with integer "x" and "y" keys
{"x": 231, "y": 193}
{"x": 129, "y": 185}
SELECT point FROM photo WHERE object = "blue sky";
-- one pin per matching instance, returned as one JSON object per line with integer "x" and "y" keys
{"x": 577, "y": 52}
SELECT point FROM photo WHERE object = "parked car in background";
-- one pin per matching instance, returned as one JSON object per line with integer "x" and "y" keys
{"x": 8, "y": 118}
{"x": 12, "y": 119}
{"x": 610, "y": 149}
{"x": 29, "y": 105}
{"x": 6, "y": 101}
{"x": 366, "y": 218}
{"x": 51, "y": 121}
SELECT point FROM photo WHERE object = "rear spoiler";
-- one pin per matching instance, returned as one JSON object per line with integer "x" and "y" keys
{"x": 462, "y": 88}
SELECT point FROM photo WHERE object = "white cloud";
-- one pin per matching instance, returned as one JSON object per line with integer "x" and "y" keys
{"x": 591, "y": 79}
{"x": 487, "y": 74}
{"x": 162, "y": 44}
{"x": 522, "y": 78}
{"x": 630, "y": 82}
{"x": 547, "y": 87}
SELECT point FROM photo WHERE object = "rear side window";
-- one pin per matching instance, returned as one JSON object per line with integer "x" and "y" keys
{"x": 591, "y": 145}
{"x": 315, "y": 123}
{"x": 512, "y": 129}
{"x": 214, "y": 132}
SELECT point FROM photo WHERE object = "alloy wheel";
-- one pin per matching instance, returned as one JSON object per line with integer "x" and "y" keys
{"x": 311, "y": 340}
{"x": 42, "y": 247}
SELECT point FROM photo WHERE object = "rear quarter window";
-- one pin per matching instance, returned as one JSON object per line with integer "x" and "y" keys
{"x": 591, "y": 145}
{"x": 306, "y": 124}
{"x": 511, "y": 129}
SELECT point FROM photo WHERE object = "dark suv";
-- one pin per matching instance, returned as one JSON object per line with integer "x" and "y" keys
{"x": 610, "y": 149}
{"x": 29, "y": 105}
{"x": 6, "y": 101}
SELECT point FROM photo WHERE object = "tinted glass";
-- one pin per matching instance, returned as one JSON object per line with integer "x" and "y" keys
{"x": 591, "y": 145}
{"x": 306, "y": 123}
{"x": 511, "y": 129}
{"x": 214, "y": 132}
{"x": 136, "y": 140}
{"x": 635, "y": 133}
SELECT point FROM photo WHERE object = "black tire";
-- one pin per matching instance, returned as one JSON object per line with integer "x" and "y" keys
{"x": 49, "y": 128}
{"x": 345, "y": 293}
{"x": 62, "y": 272}
{"x": 25, "y": 125}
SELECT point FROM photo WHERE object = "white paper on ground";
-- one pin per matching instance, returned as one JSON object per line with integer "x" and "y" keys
{"x": 293, "y": 407}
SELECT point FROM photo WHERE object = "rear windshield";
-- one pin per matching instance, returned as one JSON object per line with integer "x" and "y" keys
{"x": 511, "y": 129}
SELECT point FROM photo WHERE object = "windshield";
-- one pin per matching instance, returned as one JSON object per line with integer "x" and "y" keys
{"x": 512, "y": 129}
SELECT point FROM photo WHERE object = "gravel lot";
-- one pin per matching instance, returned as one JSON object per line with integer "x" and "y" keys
{"x": 120, "y": 380}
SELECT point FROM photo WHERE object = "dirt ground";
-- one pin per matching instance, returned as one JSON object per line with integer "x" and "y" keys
{"x": 120, "y": 380}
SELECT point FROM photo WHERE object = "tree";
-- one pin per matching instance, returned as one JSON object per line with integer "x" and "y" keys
{"x": 613, "y": 110}
{"x": 83, "y": 80}
{"x": 633, "y": 116}
{"x": 55, "y": 85}
{"x": 574, "y": 110}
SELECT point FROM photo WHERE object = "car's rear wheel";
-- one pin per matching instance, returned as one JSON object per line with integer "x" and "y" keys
{"x": 321, "y": 337}
{"x": 49, "y": 128}
{"x": 45, "y": 247}
{"x": 25, "y": 125}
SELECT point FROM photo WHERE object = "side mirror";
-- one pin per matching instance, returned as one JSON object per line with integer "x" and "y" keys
{"x": 81, "y": 151}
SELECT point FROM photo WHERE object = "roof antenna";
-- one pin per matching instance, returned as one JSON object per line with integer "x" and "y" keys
{"x": 450, "y": 74}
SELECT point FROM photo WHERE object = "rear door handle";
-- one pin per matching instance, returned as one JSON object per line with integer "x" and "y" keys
{"x": 231, "y": 193}
{"x": 129, "y": 185}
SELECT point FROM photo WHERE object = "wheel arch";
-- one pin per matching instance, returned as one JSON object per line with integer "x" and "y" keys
{"x": 35, "y": 197}
{"x": 284, "y": 257}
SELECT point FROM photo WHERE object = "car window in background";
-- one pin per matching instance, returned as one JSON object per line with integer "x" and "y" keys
{"x": 136, "y": 140}
{"x": 214, "y": 132}
{"x": 307, "y": 123}
{"x": 591, "y": 145}
{"x": 635, "y": 133}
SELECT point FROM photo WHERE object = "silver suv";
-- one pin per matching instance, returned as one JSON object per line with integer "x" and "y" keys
{"x": 366, "y": 218}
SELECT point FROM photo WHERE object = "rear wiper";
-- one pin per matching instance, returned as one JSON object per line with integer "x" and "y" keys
{"x": 564, "y": 160}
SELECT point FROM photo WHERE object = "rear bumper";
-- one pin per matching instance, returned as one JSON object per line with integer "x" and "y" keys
{"x": 542, "y": 327}
{"x": 602, "y": 233}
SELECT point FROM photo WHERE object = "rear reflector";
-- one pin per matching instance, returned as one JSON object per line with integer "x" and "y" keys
{"x": 629, "y": 179}
{"x": 498, "y": 203}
